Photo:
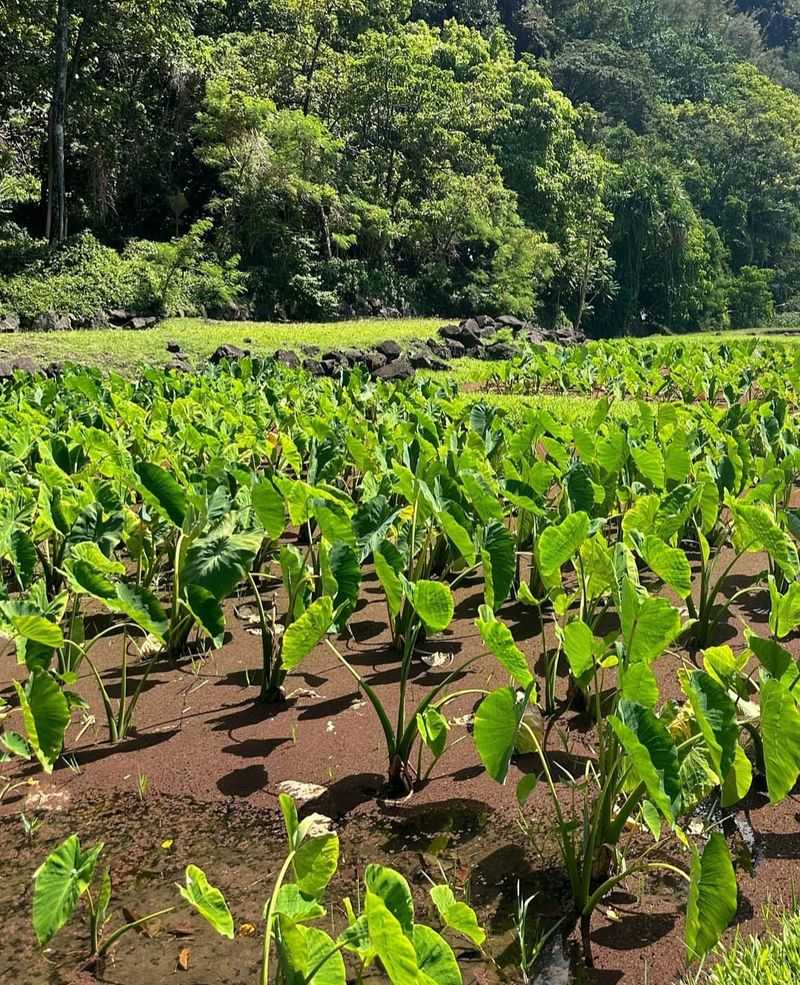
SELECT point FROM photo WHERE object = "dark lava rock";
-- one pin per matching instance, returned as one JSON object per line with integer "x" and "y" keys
{"x": 440, "y": 350}
{"x": 389, "y": 349}
{"x": 457, "y": 349}
{"x": 230, "y": 352}
{"x": 9, "y": 322}
{"x": 288, "y": 358}
{"x": 332, "y": 367}
{"x": 310, "y": 350}
{"x": 314, "y": 367}
{"x": 50, "y": 321}
{"x": 179, "y": 364}
{"x": 119, "y": 316}
{"x": 398, "y": 369}
{"x": 425, "y": 359}
{"x": 374, "y": 360}
{"x": 509, "y": 321}
{"x": 173, "y": 347}
{"x": 140, "y": 322}
{"x": 498, "y": 351}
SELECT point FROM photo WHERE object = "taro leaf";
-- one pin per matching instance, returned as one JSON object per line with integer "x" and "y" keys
{"x": 780, "y": 733}
{"x": 756, "y": 527}
{"x": 433, "y": 728}
{"x": 433, "y": 603}
{"x": 638, "y": 683}
{"x": 388, "y": 575}
{"x": 579, "y": 486}
{"x": 650, "y": 463}
{"x": 334, "y": 524}
{"x": 142, "y": 606}
{"x": 207, "y": 611}
{"x": 45, "y": 711}
{"x": 738, "y": 780}
{"x": 698, "y": 778}
{"x": 487, "y": 505}
{"x": 372, "y": 519}
{"x": 14, "y": 743}
{"x": 497, "y": 723}
{"x": 290, "y": 819}
{"x": 649, "y": 624}
{"x": 559, "y": 543}
{"x": 652, "y": 753}
{"x": 457, "y": 916}
{"x": 392, "y": 946}
{"x": 306, "y": 632}
{"x": 712, "y": 897}
{"x": 716, "y": 717}
{"x": 315, "y": 863}
{"x": 22, "y": 554}
{"x": 458, "y": 536}
{"x": 34, "y": 627}
{"x": 91, "y": 553}
{"x": 670, "y": 564}
{"x": 346, "y": 572}
{"x": 393, "y": 889}
{"x": 784, "y": 612}
{"x": 611, "y": 450}
{"x": 579, "y": 646}
{"x": 220, "y": 560}
{"x": 269, "y": 508}
{"x": 207, "y": 900}
{"x": 770, "y": 654}
{"x": 309, "y": 955}
{"x": 499, "y": 641}
{"x": 499, "y": 563}
{"x": 163, "y": 490}
{"x": 435, "y": 957}
{"x": 83, "y": 578}
{"x": 58, "y": 884}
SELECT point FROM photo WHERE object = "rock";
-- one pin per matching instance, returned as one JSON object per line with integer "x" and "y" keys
{"x": 287, "y": 358}
{"x": 425, "y": 359}
{"x": 335, "y": 356}
{"x": 50, "y": 321}
{"x": 509, "y": 321}
{"x": 6, "y": 371}
{"x": 310, "y": 350}
{"x": 332, "y": 367}
{"x": 119, "y": 316}
{"x": 24, "y": 364}
{"x": 440, "y": 350}
{"x": 457, "y": 349}
{"x": 374, "y": 360}
{"x": 498, "y": 351}
{"x": 53, "y": 370}
{"x": 389, "y": 349}
{"x": 301, "y": 792}
{"x": 314, "y": 367}
{"x": 354, "y": 357}
{"x": 390, "y": 313}
{"x": 9, "y": 322}
{"x": 468, "y": 333}
{"x": 179, "y": 364}
{"x": 173, "y": 347}
{"x": 230, "y": 352}
{"x": 398, "y": 369}
{"x": 247, "y": 340}
{"x": 139, "y": 322}
{"x": 485, "y": 321}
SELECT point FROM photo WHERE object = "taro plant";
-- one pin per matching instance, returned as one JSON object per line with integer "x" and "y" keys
{"x": 432, "y": 603}
{"x": 61, "y": 881}
{"x": 383, "y": 934}
{"x": 638, "y": 774}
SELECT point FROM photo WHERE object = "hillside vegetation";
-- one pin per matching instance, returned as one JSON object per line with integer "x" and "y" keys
{"x": 620, "y": 165}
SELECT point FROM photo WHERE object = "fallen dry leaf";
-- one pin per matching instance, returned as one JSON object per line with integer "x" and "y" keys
{"x": 246, "y": 930}
{"x": 183, "y": 958}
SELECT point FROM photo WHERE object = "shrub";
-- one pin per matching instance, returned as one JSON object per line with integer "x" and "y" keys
{"x": 750, "y": 298}
{"x": 85, "y": 276}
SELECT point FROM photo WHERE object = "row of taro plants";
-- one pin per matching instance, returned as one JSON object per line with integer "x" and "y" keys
{"x": 131, "y": 511}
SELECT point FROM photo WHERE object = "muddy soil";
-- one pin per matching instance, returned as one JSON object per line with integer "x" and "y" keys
{"x": 201, "y": 773}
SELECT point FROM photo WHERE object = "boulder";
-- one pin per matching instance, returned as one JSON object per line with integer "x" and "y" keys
{"x": 425, "y": 359}
{"x": 457, "y": 349}
{"x": 485, "y": 321}
{"x": 332, "y": 367}
{"x": 9, "y": 322}
{"x": 53, "y": 370}
{"x": 498, "y": 351}
{"x": 179, "y": 364}
{"x": 119, "y": 316}
{"x": 140, "y": 322}
{"x": 226, "y": 351}
{"x": 310, "y": 350}
{"x": 287, "y": 357}
{"x": 374, "y": 360}
{"x": 314, "y": 367}
{"x": 335, "y": 356}
{"x": 354, "y": 357}
{"x": 440, "y": 350}
{"x": 51, "y": 321}
{"x": 398, "y": 369}
{"x": 173, "y": 347}
{"x": 24, "y": 364}
{"x": 509, "y": 321}
{"x": 6, "y": 372}
{"x": 389, "y": 349}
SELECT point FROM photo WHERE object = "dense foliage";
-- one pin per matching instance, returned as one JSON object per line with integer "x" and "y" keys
{"x": 620, "y": 164}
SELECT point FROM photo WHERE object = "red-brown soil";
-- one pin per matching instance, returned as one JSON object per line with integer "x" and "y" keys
{"x": 213, "y": 757}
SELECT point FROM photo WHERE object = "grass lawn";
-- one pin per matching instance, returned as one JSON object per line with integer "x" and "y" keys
{"x": 125, "y": 350}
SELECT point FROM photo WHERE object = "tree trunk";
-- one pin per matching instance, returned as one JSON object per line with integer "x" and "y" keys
{"x": 56, "y": 224}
